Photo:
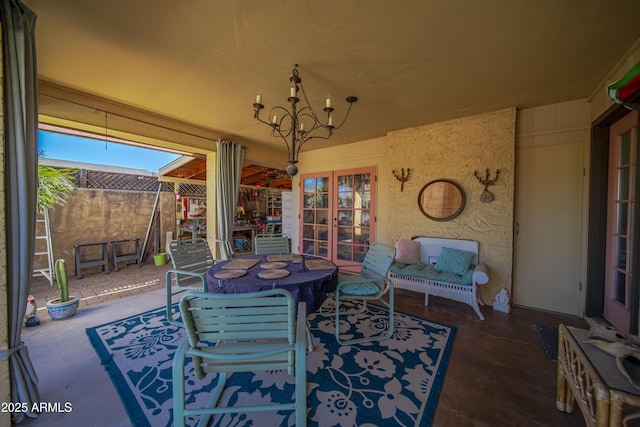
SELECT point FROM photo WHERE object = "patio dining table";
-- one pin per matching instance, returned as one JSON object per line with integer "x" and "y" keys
{"x": 308, "y": 278}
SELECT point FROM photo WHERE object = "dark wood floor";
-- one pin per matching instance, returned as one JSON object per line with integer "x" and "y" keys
{"x": 498, "y": 373}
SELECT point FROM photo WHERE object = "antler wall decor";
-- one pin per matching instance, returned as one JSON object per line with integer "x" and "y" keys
{"x": 402, "y": 178}
{"x": 487, "y": 196}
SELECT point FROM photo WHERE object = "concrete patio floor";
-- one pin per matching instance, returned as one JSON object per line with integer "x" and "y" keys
{"x": 67, "y": 366}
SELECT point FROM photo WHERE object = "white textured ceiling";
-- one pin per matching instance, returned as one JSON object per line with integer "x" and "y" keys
{"x": 410, "y": 62}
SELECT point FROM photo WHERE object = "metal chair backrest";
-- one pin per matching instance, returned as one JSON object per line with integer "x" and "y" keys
{"x": 268, "y": 244}
{"x": 377, "y": 262}
{"x": 193, "y": 256}
{"x": 252, "y": 331}
{"x": 226, "y": 333}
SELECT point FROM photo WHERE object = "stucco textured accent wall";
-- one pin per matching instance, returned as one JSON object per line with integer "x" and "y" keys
{"x": 454, "y": 150}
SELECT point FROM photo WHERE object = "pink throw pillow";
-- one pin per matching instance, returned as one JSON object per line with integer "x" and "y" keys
{"x": 408, "y": 251}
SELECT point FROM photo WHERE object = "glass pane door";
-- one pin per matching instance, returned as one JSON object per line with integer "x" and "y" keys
{"x": 620, "y": 220}
{"x": 316, "y": 208}
{"x": 353, "y": 218}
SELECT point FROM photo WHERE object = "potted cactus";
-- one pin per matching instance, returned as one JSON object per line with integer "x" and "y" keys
{"x": 63, "y": 306}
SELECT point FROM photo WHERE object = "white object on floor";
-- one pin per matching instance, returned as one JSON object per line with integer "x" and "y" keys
{"x": 501, "y": 302}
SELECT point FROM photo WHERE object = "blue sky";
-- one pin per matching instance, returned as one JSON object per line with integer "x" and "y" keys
{"x": 66, "y": 147}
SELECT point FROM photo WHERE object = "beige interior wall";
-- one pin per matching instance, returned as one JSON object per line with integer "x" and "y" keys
{"x": 455, "y": 150}
{"x": 5, "y": 389}
{"x": 552, "y": 188}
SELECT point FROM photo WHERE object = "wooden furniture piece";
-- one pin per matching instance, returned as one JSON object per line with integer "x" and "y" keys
{"x": 266, "y": 244}
{"x": 422, "y": 278}
{"x": 267, "y": 334}
{"x": 243, "y": 229}
{"x": 371, "y": 284}
{"x": 579, "y": 382}
{"x": 589, "y": 377}
{"x": 81, "y": 263}
{"x": 191, "y": 259}
{"x": 119, "y": 256}
{"x": 274, "y": 204}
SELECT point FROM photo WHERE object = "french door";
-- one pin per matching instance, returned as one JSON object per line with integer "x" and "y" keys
{"x": 620, "y": 219}
{"x": 338, "y": 214}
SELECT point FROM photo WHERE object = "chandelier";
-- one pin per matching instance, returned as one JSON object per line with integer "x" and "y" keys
{"x": 301, "y": 123}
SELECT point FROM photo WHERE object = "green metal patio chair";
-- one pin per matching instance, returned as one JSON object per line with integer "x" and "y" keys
{"x": 191, "y": 259}
{"x": 271, "y": 244}
{"x": 249, "y": 332}
{"x": 371, "y": 284}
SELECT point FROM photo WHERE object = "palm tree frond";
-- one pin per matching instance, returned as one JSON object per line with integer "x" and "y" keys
{"x": 54, "y": 186}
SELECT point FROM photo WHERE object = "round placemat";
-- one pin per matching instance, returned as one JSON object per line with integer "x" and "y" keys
{"x": 229, "y": 274}
{"x": 273, "y": 264}
{"x": 274, "y": 273}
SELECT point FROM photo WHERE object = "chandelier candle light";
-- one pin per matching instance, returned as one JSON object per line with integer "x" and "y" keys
{"x": 301, "y": 123}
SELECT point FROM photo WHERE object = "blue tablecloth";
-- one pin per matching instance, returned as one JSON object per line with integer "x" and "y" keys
{"x": 310, "y": 286}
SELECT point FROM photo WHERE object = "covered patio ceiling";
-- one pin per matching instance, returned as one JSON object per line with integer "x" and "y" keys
{"x": 410, "y": 63}
{"x": 252, "y": 175}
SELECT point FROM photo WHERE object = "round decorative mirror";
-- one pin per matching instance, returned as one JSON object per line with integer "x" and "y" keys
{"x": 441, "y": 200}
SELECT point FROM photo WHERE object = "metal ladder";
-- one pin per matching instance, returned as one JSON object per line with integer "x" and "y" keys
{"x": 44, "y": 248}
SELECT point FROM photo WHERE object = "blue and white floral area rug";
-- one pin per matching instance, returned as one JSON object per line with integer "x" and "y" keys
{"x": 395, "y": 382}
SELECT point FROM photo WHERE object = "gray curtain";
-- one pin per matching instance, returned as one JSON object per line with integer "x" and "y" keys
{"x": 229, "y": 159}
{"x": 21, "y": 170}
